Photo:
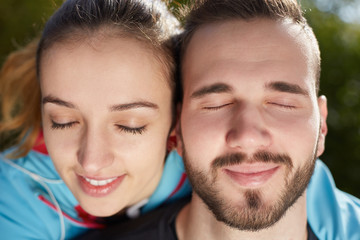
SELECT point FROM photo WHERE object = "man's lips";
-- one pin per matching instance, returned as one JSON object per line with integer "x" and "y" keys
{"x": 251, "y": 175}
{"x": 99, "y": 187}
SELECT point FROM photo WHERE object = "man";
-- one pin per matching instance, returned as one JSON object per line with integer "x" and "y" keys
{"x": 250, "y": 78}
{"x": 252, "y": 93}
{"x": 251, "y": 127}
{"x": 252, "y": 123}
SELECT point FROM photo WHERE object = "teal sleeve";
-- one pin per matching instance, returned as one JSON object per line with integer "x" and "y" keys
{"x": 173, "y": 184}
{"x": 332, "y": 214}
{"x": 23, "y": 215}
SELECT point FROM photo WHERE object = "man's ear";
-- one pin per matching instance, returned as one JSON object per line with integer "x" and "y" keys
{"x": 322, "y": 103}
{"x": 179, "y": 141}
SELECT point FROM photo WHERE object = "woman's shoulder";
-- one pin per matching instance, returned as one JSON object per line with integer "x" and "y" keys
{"x": 37, "y": 203}
{"x": 34, "y": 162}
{"x": 173, "y": 185}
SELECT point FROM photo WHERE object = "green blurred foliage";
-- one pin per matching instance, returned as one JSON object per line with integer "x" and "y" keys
{"x": 21, "y": 20}
{"x": 340, "y": 83}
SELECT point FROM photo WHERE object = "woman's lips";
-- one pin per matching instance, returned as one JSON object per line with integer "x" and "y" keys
{"x": 251, "y": 176}
{"x": 99, "y": 187}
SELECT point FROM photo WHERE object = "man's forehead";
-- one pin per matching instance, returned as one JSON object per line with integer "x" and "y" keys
{"x": 219, "y": 33}
{"x": 236, "y": 37}
{"x": 236, "y": 45}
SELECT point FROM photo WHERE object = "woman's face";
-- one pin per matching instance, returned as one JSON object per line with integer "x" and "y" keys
{"x": 106, "y": 110}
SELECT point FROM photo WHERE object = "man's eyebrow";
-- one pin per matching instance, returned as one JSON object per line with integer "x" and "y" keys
{"x": 214, "y": 88}
{"x": 57, "y": 101}
{"x": 133, "y": 105}
{"x": 281, "y": 86}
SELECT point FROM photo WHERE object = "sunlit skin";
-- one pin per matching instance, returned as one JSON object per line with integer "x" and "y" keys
{"x": 106, "y": 110}
{"x": 249, "y": 87}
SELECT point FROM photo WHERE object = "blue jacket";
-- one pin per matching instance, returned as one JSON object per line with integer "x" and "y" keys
{"x": 332, "y": 214}
{"x": 36, "y": 204}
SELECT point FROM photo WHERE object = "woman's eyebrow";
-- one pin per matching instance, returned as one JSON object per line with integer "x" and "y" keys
{"x": 57, "y": 101}
{"x": 116, "y": 107}
{"x": 133, "y": 105}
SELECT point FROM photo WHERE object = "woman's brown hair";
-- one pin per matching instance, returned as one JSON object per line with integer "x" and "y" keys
{"x": 20, "y": 101}
{"x": 149, "y": 22}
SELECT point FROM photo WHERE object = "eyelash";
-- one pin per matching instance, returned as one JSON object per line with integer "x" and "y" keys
{"x": 284, "y": 106}
{"x": 134, "y": 131}
{"x": 139, "y": 130}
{"x": 62, "y": 126}
{"x": 216, "y": 107}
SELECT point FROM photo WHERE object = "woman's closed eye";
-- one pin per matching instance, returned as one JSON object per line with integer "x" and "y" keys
{"x": 55, "y": 125}
{"x": 133, "y": 130}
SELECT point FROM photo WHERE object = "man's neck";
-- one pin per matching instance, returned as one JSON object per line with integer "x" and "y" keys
{"x": 196, "y": 221}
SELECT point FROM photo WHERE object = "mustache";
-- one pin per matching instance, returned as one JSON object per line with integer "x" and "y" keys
{"x": 260, "y": 156}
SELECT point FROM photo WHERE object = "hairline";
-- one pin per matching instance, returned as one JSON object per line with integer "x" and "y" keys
{"x": 78, "y": 35}
{"x": 306, "y": 30}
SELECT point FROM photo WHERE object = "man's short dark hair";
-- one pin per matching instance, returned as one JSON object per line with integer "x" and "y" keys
{"x": 202, "y": 12}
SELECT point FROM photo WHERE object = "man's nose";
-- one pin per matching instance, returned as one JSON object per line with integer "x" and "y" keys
{"x": 248, "y": 130}
{"x": 94, "y": 153}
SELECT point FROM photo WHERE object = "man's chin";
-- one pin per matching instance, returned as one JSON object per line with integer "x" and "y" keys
{"x": 251, "y": 213}
{"x": 255, "y": 209}
{"x": 260, "y": 207}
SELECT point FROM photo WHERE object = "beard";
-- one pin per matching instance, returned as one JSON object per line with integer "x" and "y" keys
{"x": 253, "y": 214}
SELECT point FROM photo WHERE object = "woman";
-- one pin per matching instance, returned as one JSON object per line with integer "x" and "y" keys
{"x": 105, "y": 70}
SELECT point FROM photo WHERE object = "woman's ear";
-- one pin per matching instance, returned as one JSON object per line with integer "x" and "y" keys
{"x": 172, "y": 141}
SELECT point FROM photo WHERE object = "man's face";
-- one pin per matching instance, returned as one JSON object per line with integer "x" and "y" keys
{"x": 251, "y": 124}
